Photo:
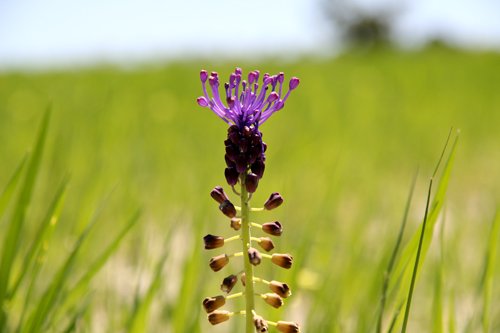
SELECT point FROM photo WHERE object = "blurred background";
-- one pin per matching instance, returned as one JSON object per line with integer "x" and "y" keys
{"x": 382, "y": 83}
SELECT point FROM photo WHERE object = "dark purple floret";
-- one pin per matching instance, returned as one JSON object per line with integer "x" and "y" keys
{"x": 252, "y": 182}
{"x": 231, "y": 176}
{"x": 248, "y": 106}
{"x": 258, "y": 168}
{"x": 229, "y": 163}
{"x": 241, "y": 163}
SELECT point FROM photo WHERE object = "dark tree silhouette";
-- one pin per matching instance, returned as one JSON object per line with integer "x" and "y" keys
{"x": 359, "y": 25}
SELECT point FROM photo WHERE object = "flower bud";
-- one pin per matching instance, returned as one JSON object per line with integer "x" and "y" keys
{"x": 273, "y": 300}
{"x": 227, "y": 208}
{"x": 228, "y": 283}
{"x": 243, "y": 145}
{"x": 246, "y": 132}
{"x": 266, "y": 243}
{"x": 275, "y": 200}
{"x": 213, "y": 242}
{"x": 258, "y": 168}
{"x": 217, "y": 263}
{"x": 232, "y": 151}
{"x": 294, "y": 82}
{"x": 254, "y": 256}
{"x": 232, "y": 129}
{"x": 272, "y": 228}
{"x": 243, "y": 280}
{"x": 288, "y": 327}
{"x": 260, "y": 324}
{"x": 211, "y": 304}
{"x": 282, "y": 260}
{"x": 231, "y": 176}
{"x": 218, "y": 194}
{"x": 218, "y": 317}
{"x": 282, "y": 289}
{"x": 255, "y": 140}
{"x": 251, "y": 182}
{"x": 234, "y": 137}
{"x": 229, "y": 163}
{"x": 236, "y": 223}
{"x": 202, "y": 101}
{"x": 203, "y": 76}
{"x": 241, "y": 163}
{"x": 253, "y": 154}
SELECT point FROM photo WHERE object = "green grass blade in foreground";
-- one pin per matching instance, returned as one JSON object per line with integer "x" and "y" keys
{"x": 72, "y": 324}
{"x": 80, "y": 288}
{"x": 489, "y": 272}
{"x": 49, "y": 298}
{"x": 437, "y": 305}
{"x": 13, "y": 235}
{"x": 388, "y": 271}
{"x": 11, "y": 185}
{"x": 138, "y": 321}
{"x": 424, "y": 233}
{"x": 45, "y": 234}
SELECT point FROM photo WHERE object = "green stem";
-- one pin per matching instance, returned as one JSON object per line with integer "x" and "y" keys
{"x": 247, "y": 243}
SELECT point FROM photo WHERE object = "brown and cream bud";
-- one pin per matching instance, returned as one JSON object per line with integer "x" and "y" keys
{"x": 266, "y": 243}
{"x": 275, "y": 200}
{"x": 273, "y": 300}
{"x": 288, "y": 327}
{"x": 246, "y": 132}
{"x": 227, "y": 208}
{"x": 218, "y": 194}
{"x": 218, "y": 316}
{"x": 228, "y": 283}
{"x": 282, "y": 260}
{"x": 217, "y": 263}
{"x": 260, "y": 324}
{"x": 213, "y": 242}
{"x": 273, "y": 228}
{"x": 282, "y": 289}
{"x": 211, "y": 304}
{"x": 254, "y": 255}
{"x": 236, "y": 223}
{"x": 243, "y": 280}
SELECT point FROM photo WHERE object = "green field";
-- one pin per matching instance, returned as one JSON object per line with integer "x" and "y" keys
{"x": 342, "y": 153}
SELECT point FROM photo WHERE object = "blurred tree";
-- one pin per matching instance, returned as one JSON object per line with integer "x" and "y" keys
{"x": 362, "y": 25}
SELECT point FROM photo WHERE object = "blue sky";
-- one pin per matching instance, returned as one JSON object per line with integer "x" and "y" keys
{"x": 67, "y": 32}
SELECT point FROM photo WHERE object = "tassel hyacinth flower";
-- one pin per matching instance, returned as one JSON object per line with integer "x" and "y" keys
{"x": 245, "y": 108}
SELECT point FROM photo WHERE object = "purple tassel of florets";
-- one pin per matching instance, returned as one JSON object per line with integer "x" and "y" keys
{"x": 248, "y": 107}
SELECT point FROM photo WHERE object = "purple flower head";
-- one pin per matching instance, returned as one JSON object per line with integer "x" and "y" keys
{"x": 249, "y": 106}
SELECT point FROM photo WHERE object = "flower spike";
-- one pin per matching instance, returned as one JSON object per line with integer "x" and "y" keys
{"x": 245, "y": 104}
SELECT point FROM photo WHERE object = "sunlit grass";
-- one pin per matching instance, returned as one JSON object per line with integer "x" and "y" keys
{"x": 342, "y": 153}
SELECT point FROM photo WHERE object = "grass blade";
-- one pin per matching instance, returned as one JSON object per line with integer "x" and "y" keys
{"x": 79, "y": 289}
{"x": 49, "y": 298}
{"x": 489, "y": 272}
{"x": 11, "y": 185}
{"x": 394, "y": 254}
{"x": 404, "y": 274}
{"x": 13, "y": 235}
{"x": 45, "y": 234}
{"x": 138, "y": 320}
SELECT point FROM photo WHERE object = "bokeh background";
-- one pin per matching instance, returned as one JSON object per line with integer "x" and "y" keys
{"x": 382, "y": 84}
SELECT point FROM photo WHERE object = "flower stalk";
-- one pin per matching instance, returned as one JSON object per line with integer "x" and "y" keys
{"x": 249, "y": 268}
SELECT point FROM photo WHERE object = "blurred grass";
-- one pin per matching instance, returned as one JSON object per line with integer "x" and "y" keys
{"x": 342, "y": 153}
